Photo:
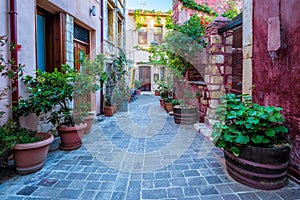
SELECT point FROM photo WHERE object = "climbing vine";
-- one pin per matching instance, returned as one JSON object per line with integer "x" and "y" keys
{"x": 140, "y": 16}
{"x": 194, "y": 6}
{"x": 232, "y": 10}
{"x": 180, "y": 45}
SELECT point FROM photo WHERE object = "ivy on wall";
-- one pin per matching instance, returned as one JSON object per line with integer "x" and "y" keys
{"x": 194, "y": 6}
{"x": 231, "y": 12}
{"x": 140, "y": 17}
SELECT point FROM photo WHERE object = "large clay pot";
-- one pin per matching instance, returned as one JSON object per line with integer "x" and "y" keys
{"x": 138, "y": 92}
{"x": 30, "y": 157}
{"x": 259, "y": 167}
{"x": 108, "y": 111}
{"x": 168, "y": 106}
{"x": 71, "y": 136}
{"x": 161, "y": 102}
{"x": 89, "y": 122}
{"x": 185, "y": 115}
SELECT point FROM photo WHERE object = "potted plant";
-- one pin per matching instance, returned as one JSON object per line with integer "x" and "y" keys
{"x": 252, "y": 137}
{"x": 185, "y": 113}
{"x": 116, "y": 73}
{"x": 168, "y": 104}
{"x": 53, "y": 93}
{"x": 137, "y": 85}
{"x": 87, "y": 82}
{"x": 29, "y": 148}
{"x": 108, "y": 108}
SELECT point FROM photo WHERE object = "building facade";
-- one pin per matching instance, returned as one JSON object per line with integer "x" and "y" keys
{"x": 56, "y": 32}
{"x": 151, "y": 31}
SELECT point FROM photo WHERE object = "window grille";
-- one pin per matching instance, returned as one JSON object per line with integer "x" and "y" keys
{"x": 81, "y": 34}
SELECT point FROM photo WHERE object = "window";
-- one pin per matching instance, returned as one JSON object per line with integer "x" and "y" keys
{"x": 50, "y": 40}
{"x": 110, "y": 28}
{"x": 120, "y": 32}
{"x": 156, "y": 77}
{"x": 41, "y": 42}
{"x": 158, "y": 34}
{"x": 142, "y": 35}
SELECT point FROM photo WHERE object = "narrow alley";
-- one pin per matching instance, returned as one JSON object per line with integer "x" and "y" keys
{"x": 139, "y": 154}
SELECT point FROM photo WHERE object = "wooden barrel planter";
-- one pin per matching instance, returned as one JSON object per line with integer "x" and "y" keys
{"x": 185, "y": 116}
{"x": 258, "y": 167}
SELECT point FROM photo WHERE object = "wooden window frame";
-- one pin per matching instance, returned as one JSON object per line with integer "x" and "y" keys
{"x": 143, "y": 34}
{"x": 55, "y": 39}
{"x": 110, "y": 24}
{"x": 160, "y": 35}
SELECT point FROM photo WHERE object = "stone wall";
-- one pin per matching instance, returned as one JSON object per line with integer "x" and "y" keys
{"x": 218, "y": 72}
{"x": 69, "y": 40}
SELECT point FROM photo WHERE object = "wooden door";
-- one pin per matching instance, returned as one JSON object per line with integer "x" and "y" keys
{"x": 145, "y": 78}
{"x": 80, "y": 52}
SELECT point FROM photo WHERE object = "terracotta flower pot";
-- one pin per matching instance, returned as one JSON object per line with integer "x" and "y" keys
{"x": 30, "y": 157}
{"x": 161, "y": 102}
{"x": 71, "y": 136}
{"x": 89, "y": 121}
{"x": 157, "y": 93}
{"x": 138, "y": 92}
{"x": 169, "y": 106}
{"x": 115, "y": 108}
{"x": 108, "y": 111}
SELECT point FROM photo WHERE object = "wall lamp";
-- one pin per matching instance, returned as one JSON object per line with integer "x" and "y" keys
{"x": 93, "y": 10}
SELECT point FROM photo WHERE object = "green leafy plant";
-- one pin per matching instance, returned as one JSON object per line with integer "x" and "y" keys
{"x": 51, "y": 92}
{"x": 243, "y": 122}
{"x": 11, "y": 131}
{"x": 194, "y": 6}
{"x": 137, "y": 84}
{"x": 176, "y": 102}
{"x": 88, "y": 81}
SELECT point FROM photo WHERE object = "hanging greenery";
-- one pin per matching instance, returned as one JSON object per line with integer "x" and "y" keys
{"x": 194, "y": 6}
{"x": 180, "y": 45}
{"x": 140, "y": 17}
{"x": 232, "y": 10}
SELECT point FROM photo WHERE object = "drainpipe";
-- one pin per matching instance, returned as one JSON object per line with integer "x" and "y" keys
{"x": 14, "y": 54}
{"x": 102, "y": 51}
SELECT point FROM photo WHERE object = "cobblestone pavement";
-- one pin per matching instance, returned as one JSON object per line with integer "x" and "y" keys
{"x": 140, "y": 154}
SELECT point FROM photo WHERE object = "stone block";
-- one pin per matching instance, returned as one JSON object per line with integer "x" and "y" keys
{"x": 214, "y": 87}
{"x": 213, "y": 103}
{"x": 216, "y": 79}
{"x": 217, "y": 59}
{"x": 216, "y": 39}
{"x": 229, "y": 49}
{"x": 216, "y": 94}
{"x": 229, "y": 59}
{"x": 228, "y": 70}
{"x": 214, "y": 49}
{"x": 229, "y": 40}
{"x": 211, "y": 113}
{"x": 207, "y": 78}
{"x": 247, "y": 52}
{"x": 213, "y": 69}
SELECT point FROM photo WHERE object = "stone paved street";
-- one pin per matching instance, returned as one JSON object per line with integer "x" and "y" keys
{"x": 140, "y": 154}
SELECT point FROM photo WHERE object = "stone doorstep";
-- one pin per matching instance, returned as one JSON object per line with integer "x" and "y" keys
{"x": 204, "y": 130}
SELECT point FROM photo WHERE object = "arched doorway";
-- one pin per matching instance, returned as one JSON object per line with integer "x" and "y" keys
{"x": 145, "y": 78}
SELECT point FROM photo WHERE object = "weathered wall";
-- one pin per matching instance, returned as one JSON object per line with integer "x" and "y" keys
{"x": 3, "y": 31}
{"x": 278, "y": 83}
